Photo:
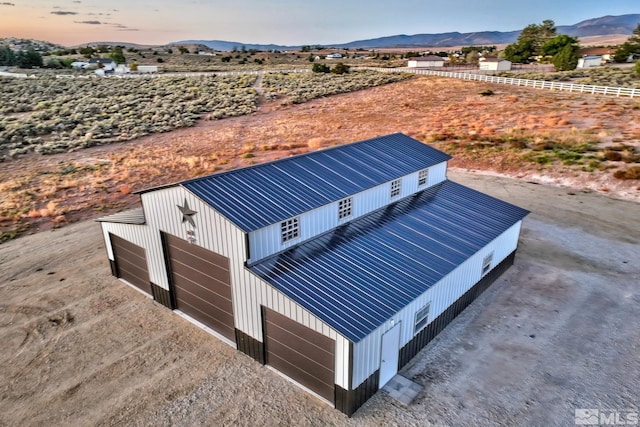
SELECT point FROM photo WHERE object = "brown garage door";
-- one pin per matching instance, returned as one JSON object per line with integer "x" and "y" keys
{"x": 131, "y": 263}
{"x": 300, "y": 353}
{"x": 201, "y": 285}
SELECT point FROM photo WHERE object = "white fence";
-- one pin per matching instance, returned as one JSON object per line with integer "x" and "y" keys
{"x": 539, "y": 84}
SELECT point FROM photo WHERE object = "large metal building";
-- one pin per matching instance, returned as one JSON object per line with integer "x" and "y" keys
{"x": 333, "y": 267}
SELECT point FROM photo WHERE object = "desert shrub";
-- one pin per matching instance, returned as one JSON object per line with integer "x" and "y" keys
{"x": 632, "y": 172}
{"x": 303, "y": 87}
{"x": 613, "y": 156}
{"x": 76, "y": 113}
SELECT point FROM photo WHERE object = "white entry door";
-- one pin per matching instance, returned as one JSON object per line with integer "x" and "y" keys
{"x": 390, "y": 352}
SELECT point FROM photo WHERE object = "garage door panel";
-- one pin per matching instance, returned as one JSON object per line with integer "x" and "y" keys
{"x": 298, "y": 329}
{"x": 324, "y": 389}
{"x": 204, "y": 305}
{"x": 300, "y": 346}
{"x": 132, "y": 268}
{"x": 210, "y": 295}
{"x": 204, "y": 276}
{"x": 301, "y": 353}
{"x": 185, "y": 251}
{"x": 218, "y": 321}
{"x": 131, "y": 263}
{"x": 319, "y": 365}
{"x": 201, "y": 285}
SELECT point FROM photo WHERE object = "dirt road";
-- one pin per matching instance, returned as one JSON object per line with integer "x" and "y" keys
{"x": 558, "y": 331}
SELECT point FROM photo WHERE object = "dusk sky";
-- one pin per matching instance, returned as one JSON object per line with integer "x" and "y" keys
{"x": 285, "y": 22}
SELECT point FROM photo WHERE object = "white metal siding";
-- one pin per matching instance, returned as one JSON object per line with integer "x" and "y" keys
{"x": 219, "y": 235}
{"x": 143, "y": 236}
{"x": 268, "y": 241}
{"x": 366, "y": 358}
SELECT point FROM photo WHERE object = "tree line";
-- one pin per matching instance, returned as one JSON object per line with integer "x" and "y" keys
{"x": 538, "y": 42}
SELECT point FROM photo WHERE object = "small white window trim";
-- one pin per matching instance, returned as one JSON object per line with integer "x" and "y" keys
{"x": 423, "y": 177}
{"x": 290, "y": 229}
{"x": 422, "y": 318}
{"x": 345, "y": 208}
{"x": 396, "y": 188}
{"x": 487, "y": 263}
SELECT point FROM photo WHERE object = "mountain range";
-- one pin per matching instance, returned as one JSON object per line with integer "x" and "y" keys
{"x": 605, "y": 25}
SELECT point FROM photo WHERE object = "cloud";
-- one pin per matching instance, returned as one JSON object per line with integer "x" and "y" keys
{"x": 89, "y": 22}
{"x": 128, "y": 29}
{"x": 6, "y": 3}
{"x": 63, "y": 12}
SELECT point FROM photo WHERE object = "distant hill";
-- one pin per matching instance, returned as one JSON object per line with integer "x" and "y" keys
{"x": 606, "y": 25}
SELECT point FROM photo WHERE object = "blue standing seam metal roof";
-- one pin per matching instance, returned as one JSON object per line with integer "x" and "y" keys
{"x": 265, "y": 194}
{"x": 359, "y": 275}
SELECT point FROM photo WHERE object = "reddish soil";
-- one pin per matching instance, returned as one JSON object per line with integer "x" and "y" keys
{"x": 40, "y": 192}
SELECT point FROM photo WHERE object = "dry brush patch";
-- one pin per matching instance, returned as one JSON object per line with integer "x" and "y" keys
{"x": 50, "y": 115}
{"x": 516, "y": 131}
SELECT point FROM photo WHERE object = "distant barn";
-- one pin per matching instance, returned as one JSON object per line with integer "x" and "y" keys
{"x": 590, "y": 61}
{"x": 494, "y": 64}
{"x": 426, "y": 61}
{"x": 333, "y": 267}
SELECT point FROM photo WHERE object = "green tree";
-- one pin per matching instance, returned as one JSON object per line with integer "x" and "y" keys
{"x": 7, "y": 56}
{"x": 566, "y": 59}
{"x": 183, "y": 50}
{"x": 473, "y": 57}
{"x": 320, "y": 68}
{"x": 29, "y": 59}
{"x": 556, "y": 44}
{"x": 628, "y": 48}
{"x": 305, "y": 48}
{"x": 117, "y": 55}
{"x": 54, "y": 63}
{"x": 87, "y": 51}
{"x": 530, "y": 41}
{"x": 340, "y": 68}
{"x": 636, "y": 68}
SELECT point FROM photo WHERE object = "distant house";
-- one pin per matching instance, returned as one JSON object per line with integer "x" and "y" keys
{"x": 426, "y": 61}
{"x": 590, "y": 61}
{"x": 494, "y": 64}
{"x": 106, "y": 64}
{"x": 606, "y": 53}
{"x": 334, "y": 56}
{"x": 80, "y": 65}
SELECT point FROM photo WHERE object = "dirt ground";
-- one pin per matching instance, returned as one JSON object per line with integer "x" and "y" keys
{"x": 558, "y": 331}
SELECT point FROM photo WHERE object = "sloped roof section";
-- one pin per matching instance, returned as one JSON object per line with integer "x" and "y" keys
{"x": 133, "y": 216}
{"x": 265, "y": 194}
{"x": 358, "y": 276}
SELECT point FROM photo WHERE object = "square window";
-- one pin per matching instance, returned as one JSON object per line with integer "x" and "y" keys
{"x": 486, "y": 263}
{"x": 395, "y": 188}
{"x": 344, "y": 208}
{"x": 422, "y": 318}
{"x": 290, "y": 229}
{"x": 423, "y": 177}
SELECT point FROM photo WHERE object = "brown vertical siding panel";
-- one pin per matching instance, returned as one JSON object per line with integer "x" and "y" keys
{"x": 162, "y": 296}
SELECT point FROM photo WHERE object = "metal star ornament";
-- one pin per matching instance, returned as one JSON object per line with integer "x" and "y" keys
{"x": 187, "y": 213}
